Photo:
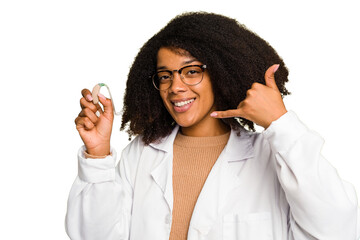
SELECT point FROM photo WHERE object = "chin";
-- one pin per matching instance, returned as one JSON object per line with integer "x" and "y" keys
{"x": 184, "y": 122}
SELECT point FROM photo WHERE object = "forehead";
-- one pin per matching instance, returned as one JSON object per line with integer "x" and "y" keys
{"x": 174, "y": 51}
{"x": 171, "y": 55}
{"x": 178, "y": 51}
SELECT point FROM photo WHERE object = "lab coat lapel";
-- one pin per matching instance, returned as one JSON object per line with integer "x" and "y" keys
{"x": 219, "y": 183}
{"x": 162, "y": 173}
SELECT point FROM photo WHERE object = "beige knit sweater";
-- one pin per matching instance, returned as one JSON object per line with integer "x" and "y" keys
{"x": 193, "y": 159}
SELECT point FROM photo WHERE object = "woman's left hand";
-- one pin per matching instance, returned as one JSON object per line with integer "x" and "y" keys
{"x": 263, "y": 103}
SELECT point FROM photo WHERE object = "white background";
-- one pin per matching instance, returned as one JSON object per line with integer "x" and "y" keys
{"x": 51, "y": 50}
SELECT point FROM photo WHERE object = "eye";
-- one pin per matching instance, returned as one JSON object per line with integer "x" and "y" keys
{"x": 163, "y": 76}
{"x": 192, "y": 71}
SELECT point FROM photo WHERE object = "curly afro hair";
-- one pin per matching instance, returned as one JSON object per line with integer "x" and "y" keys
{"x": 235, "y": 58}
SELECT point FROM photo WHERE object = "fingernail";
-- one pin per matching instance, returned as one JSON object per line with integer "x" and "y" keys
{"x": 89, "y": 97}
{"x": 102, "y": 96}
{"x": 213, "y": 114}
{"x": 97, "y": 113}
{"x": 276, "y": 68}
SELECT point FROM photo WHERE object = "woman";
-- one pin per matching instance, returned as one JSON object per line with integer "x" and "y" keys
{"x": 194, "y": 171}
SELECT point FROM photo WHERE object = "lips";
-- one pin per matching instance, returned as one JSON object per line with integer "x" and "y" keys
{"x": 183, "y": 104}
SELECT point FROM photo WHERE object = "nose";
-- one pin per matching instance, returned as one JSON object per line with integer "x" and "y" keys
{"x": 177, "y": 85}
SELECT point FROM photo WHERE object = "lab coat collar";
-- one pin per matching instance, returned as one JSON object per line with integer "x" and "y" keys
{"x": 162, "y": 173}
{"x": 238, "y": 147}
{"x": 166, "y": 143}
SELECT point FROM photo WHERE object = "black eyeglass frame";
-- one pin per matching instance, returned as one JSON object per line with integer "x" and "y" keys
{"x": 203, "y": 67}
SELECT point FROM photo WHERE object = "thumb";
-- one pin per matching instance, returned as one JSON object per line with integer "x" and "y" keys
{"x": 106, "y": 102}
{"x": 270, "y": 76}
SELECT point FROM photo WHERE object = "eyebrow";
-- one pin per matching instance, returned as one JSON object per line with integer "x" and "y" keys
{"x": 184, "y": 63}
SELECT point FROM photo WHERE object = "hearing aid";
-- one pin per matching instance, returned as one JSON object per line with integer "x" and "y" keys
{"x": 96, "y": 91}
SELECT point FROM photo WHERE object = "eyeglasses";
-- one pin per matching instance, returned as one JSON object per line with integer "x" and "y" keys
{"x": 190, "y": 75}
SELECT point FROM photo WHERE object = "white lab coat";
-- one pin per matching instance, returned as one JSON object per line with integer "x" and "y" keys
{"x": 264, "y": 186}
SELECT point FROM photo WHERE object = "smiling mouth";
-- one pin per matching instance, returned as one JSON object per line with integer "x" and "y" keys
{"x": 183, "y": 103}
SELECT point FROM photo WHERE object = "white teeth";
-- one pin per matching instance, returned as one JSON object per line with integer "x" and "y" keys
{"x": 180, "y": 104}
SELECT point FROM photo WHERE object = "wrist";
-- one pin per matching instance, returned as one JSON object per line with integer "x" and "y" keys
{"x": 100, "y": 152}
{"x": 87, "y": 155}
{"x": 274, "y": 118}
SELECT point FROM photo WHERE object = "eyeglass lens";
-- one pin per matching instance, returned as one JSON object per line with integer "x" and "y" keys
{"x": 190, "y": 75}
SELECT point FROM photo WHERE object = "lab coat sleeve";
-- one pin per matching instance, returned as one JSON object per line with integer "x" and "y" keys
{"x": 99, "y": 203}
{"x": 322, "y": 206}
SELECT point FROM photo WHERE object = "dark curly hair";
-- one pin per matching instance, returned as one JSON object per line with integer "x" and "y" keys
{"x": 235, "y": 58}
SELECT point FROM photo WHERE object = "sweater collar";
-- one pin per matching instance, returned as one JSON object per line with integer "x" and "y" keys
{"x": 237, "y": 148}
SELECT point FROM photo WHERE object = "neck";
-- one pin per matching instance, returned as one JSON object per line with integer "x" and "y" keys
{"x": 218, "y": 127}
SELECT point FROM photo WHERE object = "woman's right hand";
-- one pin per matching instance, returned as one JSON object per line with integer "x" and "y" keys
{"x": 95, "y": 131}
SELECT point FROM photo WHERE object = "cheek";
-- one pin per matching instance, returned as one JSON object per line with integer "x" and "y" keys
{"x": 208, "y": 95}
{"x": 209, "y": 103}
{"x": 163, "y": 96}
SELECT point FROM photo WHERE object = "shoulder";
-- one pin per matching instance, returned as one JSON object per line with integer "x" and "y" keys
{"x": 134, "y": 149}
{"x": 138, "y": 157}
{"x": 248, "y": 138}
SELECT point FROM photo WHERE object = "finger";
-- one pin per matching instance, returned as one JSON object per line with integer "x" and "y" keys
{"x": 270, "y": 76}
{"x": 106, "y": 102}
{"x": 87, "y": 94}
{"x": 86, "y": 112}
{"x": 228, "y": 113}
{"x": 85, "y": 102}
{"x": 83, "y": 123}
